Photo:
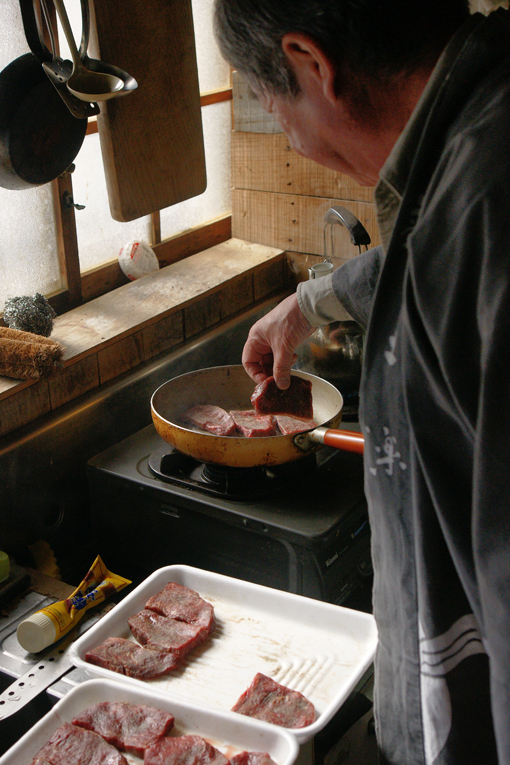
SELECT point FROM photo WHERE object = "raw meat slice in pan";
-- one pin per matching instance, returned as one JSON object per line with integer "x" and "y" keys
{"x": 267, "y": 398}
{"x": 252, "y": 758}
{"x": 132, "y": 728}
{"x": 128, "y": 658}
{"x": 184, "y": 750}
{"x": 164, "y": 634}
{"x": 254, "y": 425}
{"x": 179, "y": 602}
{"x": 267, "y": 700}
{"x": 289, "y": 425}
{"x": 70, "y": 744}
{"x": 211, "y": 418}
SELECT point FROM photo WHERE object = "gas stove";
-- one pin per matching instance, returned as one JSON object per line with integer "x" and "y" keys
{"x": 300, "y": 527}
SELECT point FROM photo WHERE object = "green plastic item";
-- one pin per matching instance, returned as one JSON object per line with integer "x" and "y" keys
{"x": 5, "y": 566}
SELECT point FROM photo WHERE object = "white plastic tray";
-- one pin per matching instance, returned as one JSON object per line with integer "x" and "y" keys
{"x": 228, "y": 732}
{"x": 319, "y": 649}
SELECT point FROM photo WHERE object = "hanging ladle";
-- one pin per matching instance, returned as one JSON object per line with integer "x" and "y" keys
{"x": 129, "y": 84}
{"x": 85, "y": 84}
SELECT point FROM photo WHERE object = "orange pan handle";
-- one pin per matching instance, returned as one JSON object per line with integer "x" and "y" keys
{"x": 345, "y": 440}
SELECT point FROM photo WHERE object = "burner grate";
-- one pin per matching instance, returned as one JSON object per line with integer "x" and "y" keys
{"x": 176, "y": 468}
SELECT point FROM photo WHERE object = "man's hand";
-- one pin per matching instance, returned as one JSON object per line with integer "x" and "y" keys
{"x": 272, "y": 341}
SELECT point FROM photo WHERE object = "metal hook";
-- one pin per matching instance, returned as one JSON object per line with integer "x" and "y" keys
{"x": 69, "y": 202}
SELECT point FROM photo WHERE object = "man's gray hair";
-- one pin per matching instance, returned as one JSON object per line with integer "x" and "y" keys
{"x": 372, "y": 38}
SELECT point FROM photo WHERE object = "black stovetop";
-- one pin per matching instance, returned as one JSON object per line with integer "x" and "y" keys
{"x": 308, "y": 502}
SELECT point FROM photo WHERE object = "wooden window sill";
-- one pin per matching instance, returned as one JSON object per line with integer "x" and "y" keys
{"x": 116, "y": 332}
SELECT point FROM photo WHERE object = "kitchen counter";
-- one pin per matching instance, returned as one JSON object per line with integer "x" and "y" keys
{"x": 349, "y": 740}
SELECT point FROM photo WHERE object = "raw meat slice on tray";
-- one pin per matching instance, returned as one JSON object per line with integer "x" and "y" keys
{"x": 254, "y": 425}
{"x": 70, "y": 744}
{"x": 288, "y": 425}
{"x": 131, "y": 728}
{"x": 252, "y": 758}
{"x": 184, "y": 750}
{"x": 166, "y": 639}
{"x": 179, "y": 602}
{"x": 267, "y": 398}
{"x": 128, "y": 658}
{"x": 212, "y": 418}
{"x": 164, "y": 634}
{"x": 267, "y": 700}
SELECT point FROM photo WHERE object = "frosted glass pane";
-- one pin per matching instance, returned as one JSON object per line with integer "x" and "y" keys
{"x": 213, "y": 70}
{"x": 100, "y": 238}
{"x": 29, "y": 260}
{"x": 216, "y": 199}
{"x": 12, "y": 37}
{"x": 28, "y": 248}
{"x": 73, "y": 9}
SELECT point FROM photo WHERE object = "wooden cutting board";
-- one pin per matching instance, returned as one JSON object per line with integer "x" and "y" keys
{"x": 151, "y": 139}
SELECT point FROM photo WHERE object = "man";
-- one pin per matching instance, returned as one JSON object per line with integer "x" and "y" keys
{"x": 413, "y": 96}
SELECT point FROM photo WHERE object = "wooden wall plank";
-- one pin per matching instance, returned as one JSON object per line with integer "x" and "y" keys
{"x": 296, "y": 222}
{"x": 202, "y": 315}
{"x": 74, "y": 381}
{"x": 267, "y": 163}
{"x": 163, "y": 335}
{"x": 29, "y": 404}
{"x": 249, "y": 115}
{"x": 121, "y": 356}
{"x": 236, "y": 295}
{"x": 271, "y": 279}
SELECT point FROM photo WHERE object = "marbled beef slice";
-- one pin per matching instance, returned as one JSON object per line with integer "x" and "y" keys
{"x": 131, "y": 728}
{"x": 128, "y": 658}
{"x": 290, "y": 425}
{"x": 164, "y": 634}
{"x": 267, "y": 700}
{"x": 212, "y": 418}
{"x": 267, "y": 398}
{"x": 180, "y": 602}
{"x": 252, "y": 758}
{"x": 184, "y": 750}
{"x": 70, "y": 744}
{"x": 254, "y": 425}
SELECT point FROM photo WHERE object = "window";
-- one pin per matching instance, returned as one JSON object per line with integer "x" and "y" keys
{"x": 41, "y": 252}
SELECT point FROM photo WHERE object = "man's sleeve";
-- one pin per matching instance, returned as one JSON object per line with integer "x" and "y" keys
{"x": 354, "y": 283}
{"x": 345, "y": 294}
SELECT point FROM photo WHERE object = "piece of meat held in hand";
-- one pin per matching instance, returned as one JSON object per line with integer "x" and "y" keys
{"x": 267, "y": 398}
{"x": 252, "y": 758}
{"x": 70, "y": 744}
{"x": 131, "y": 728}
{"x": 164, "y": 634}
{"x": 184, "y": 750}
{"x": 132, "y": 660}
{"x": 267, "y": 700}
{"x": 177, "y": 601}
{"x": 288, "y": 425}
{"x": 211, "y": 418}
{"x": 254, "y": 425}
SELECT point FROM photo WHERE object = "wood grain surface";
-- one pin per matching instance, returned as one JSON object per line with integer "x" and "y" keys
{"x": 151, "y": 140}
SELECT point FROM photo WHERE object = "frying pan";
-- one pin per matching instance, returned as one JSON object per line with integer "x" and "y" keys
{"x": 229, "y": 387}
{"x": 39, "y": 137}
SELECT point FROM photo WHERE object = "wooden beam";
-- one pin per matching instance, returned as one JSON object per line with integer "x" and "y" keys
{"x": 216, "y": 96}
{"x": 67, "y": 240}
{"x": 103, "y": 279}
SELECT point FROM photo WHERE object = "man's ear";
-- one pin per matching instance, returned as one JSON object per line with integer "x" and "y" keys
{"x": 309, "y": 63}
